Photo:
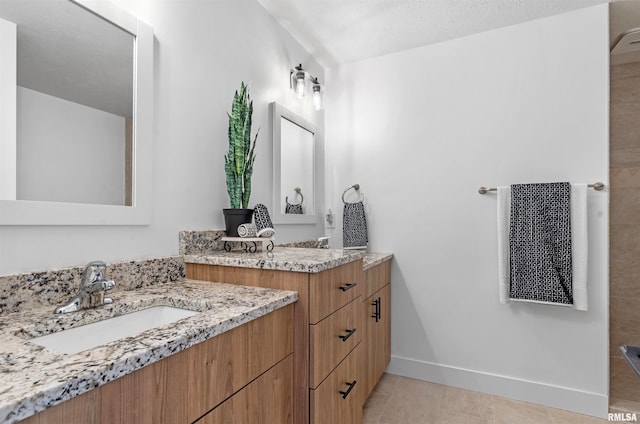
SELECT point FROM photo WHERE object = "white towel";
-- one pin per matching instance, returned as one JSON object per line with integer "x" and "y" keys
{"x": 579, "y": 244}
{"x": 504, "y": 260}
{"x": 247, "y": 230}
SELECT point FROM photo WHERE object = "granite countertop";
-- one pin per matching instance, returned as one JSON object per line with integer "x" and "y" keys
{"x": 370, "y": 259}
{"x": 34, "y": 377}
{"x": 296, "y": 259}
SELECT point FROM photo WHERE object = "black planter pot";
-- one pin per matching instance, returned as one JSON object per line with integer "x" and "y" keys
{"x": 234, "y": 217}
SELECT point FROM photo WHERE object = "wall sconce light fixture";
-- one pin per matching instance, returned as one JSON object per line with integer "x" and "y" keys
{"x": 298, "y": 78}
{"x": 298, "y": 82}
{"x": 317, "y": 93}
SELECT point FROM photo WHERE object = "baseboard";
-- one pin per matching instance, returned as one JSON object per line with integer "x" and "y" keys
{"x": 582, "y": 402}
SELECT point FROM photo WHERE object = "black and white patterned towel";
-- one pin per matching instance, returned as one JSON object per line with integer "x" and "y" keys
{"x": 262, "y": 220}
{"x": 293, "y": 208}
{"x": 354, "y": 226}
{"x": 540, "y": 243}
{"x": 247, "y": 230}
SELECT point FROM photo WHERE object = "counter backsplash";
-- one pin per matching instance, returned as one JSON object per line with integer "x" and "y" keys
{"x": 309, "y": 244}
{"x": 201, "y": 242}
{"x": 209, "y": 241}
{"x": 53, "y": 287}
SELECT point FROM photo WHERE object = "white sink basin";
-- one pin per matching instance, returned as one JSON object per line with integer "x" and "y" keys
{"x": 109, "y": 330}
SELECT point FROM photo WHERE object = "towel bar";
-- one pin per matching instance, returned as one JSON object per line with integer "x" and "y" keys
{"x": 596, "y": 186}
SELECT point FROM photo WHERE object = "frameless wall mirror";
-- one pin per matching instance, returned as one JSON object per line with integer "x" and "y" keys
{"x": 294, "y": 176}
{"x": 76, "y": 83}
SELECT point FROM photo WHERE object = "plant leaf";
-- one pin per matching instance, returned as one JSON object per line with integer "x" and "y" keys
{"x": 241, "y": 155}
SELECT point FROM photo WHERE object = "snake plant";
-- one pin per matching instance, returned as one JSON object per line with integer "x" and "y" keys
{"x": 238, "y": 162}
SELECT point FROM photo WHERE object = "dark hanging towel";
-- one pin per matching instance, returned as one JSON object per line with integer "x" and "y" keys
{"x": 354, "y": 226}
{"x": 540, "y": 243}
{"x": 293, "y": 208}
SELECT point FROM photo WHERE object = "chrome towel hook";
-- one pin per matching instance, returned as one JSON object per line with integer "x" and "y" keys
{"x": 356, "y": 187}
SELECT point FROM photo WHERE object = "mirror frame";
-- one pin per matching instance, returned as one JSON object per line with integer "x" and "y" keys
{"x": 27, "y": 212}
{"x": 278, "y": 112}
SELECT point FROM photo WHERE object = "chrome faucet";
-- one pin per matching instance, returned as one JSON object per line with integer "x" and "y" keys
{"x": 92, "y": 290}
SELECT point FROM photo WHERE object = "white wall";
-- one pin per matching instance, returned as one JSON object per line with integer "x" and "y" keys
{"x": 68, "y": 152}
{"x": 203, "y": 50}
{"x": 420, "y": 131}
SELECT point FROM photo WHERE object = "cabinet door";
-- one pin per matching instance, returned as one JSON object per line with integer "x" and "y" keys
{"x": 338, "y": 399}
{"x": 367, "y": 361}
{"x": 376, "y": 352}
{"x": 383, "y": 332}
{"x": 267, "y": 400}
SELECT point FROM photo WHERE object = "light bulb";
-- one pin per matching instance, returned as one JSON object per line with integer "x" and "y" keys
{"x": 300, "y": 85}
{"x": 317, "y": 97}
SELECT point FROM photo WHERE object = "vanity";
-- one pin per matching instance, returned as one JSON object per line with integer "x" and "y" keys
{"x": 341, "y": 332}
{"x": 233, "y": 358}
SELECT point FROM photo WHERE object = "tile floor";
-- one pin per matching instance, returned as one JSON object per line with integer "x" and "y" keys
{"x": 400, "y": 400}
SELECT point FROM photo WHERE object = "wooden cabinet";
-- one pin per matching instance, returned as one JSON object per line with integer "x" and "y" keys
{"x": 332, "y": 339}
{"x": 186, "y": 386}
{"x": 376, "y": 278}
{"x": 327, "y": 333}
{"x": 376, "y": 315}
{"x": 337, "y": 400}
{"x": 332, "y": 289}
{"x": 267, "y": 400}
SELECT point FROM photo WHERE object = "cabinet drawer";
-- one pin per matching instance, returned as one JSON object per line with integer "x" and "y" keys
{"x": 337, "y": 399}
{"x": 376, "y": 278}
{"x": 332, "y": 289}
{"x": 268, "y": 400}
{"x": 333, "y": 338}
{"x": 223, "y": 366}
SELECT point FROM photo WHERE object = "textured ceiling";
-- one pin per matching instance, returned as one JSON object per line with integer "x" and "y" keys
{"x": 339, "y": 31}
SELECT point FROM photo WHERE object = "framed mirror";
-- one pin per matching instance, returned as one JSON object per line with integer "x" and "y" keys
{"x": 76, "y": 115}
{"x": 294, "y": 168}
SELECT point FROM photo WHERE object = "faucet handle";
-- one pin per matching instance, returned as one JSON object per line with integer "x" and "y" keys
{"x": 323, "y": 242}
{"x": 93, "y": 272}
{"x": 108, "y": 284}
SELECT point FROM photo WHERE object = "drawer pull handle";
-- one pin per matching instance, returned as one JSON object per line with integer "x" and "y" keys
{"x": 346, "y": 393}
{"x": 349, "y": 334}
{"x": 348, "y": 286}
{"x": 376, "y": 311}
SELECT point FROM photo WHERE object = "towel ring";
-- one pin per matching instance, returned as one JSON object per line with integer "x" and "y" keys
{"x": 297, "y": 190}
{"x": 356, "y": 187}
